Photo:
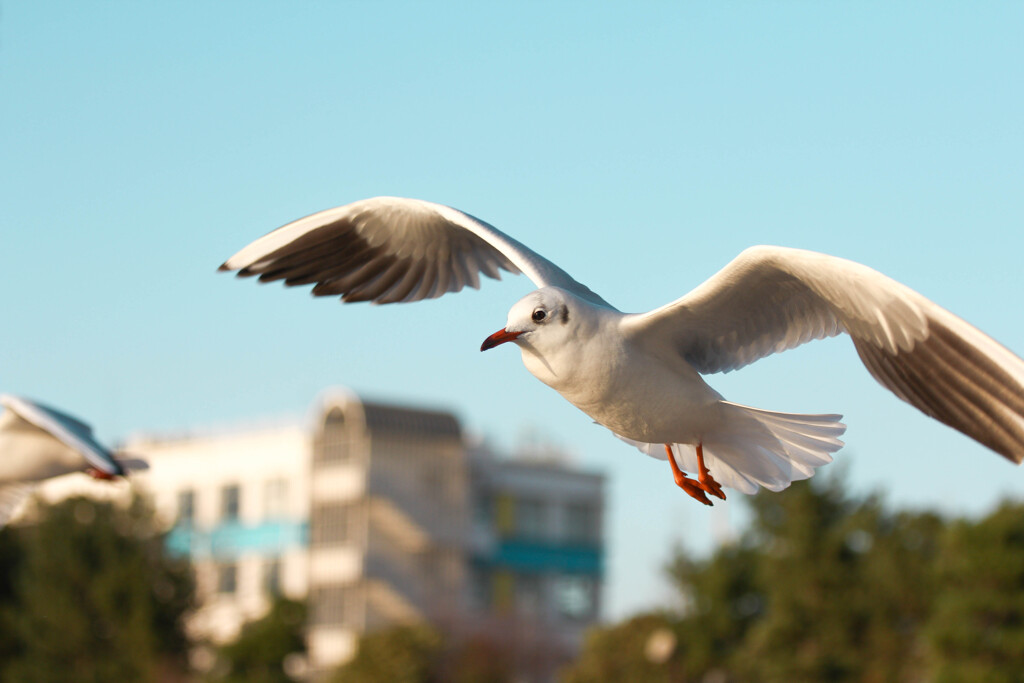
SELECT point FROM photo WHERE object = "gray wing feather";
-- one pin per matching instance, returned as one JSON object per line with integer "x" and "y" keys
{"x": 390, "y": 250}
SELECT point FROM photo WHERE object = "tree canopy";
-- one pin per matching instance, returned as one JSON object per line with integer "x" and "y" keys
{"x": 420, "y": 653}
{"x": 89, "y": 591}
{"x": 823, "y": 586}
{"x": 827, "y": 587}
{"x": 260, "y": 652}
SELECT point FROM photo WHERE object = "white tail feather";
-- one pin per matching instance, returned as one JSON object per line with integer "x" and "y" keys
{"x": 756, "y": 447}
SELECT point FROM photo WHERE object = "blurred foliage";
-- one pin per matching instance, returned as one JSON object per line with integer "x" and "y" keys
{"x": 822, "y": 587}
{"x": 479, "y": 659}
{"x": 621, "y": 652}
{"x": 10, "y": 556}
{"x": 259, "y": 653}
{"x": 420, "y": 654}
{"x": 404, "y": 654}
{"x": 977, "y": 630}
{"x": 825, "y": 587}
{"x": 89, "y": 594}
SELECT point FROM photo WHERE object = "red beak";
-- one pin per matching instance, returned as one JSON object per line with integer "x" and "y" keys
{"x": 499, "y": 337}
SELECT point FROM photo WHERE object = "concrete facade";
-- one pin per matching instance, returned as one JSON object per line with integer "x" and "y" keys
{"x": 377, "y": 514}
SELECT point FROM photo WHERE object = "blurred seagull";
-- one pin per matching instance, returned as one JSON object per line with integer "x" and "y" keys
{"x": 639, "y": 374}
{"x": 38, "y": 442}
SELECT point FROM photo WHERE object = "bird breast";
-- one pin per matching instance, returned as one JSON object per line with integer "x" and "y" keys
{"x": 628, "y": 390}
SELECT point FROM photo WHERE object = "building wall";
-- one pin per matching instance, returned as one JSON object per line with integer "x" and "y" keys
{"x": 377, "y": 514}
{"x": 387, "y": 533}
{"x": 538, "y": 554}
{"x": 239, "y": 506}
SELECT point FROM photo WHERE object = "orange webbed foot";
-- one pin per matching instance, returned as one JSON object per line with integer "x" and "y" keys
{"x": 704, "y": 478}
{"x": 712, "y": 487}
{"x": 693, "y": 488}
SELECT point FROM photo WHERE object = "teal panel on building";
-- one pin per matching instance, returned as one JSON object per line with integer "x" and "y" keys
{"x": 528, "y": 556}
{"x": 228, "y": 541}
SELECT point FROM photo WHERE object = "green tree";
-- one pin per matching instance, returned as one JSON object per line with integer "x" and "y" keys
{"x": 898, "y": 578}
{"x": 847, "y": 588}
{"x": 258, "y": 654}
{"x": 403, "y": 654}
{"x": 478, "y": 659}
{"x": 96, "y": 598}
{"x": 10, "y": 561}
{"x": 624, "y": 652}
{"x": 976, "y": 631}
{"x": 723, "y": 599}
{"x": 807, "y": 572}
{"x": 421, "y": 654}
{"x": 823, "y": 587}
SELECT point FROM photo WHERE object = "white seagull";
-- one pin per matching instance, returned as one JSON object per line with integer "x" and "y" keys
{"x": 38, "y": 442}
{"x": 639, "y": 374}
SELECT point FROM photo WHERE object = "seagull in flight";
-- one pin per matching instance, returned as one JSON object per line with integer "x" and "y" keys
{"x": 38, "y": 442}
{"x": 641, "y": 374}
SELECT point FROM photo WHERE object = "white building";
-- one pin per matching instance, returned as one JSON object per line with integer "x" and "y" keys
{"x": 380, "y": 514}
{"x": 387, "y": 522}
{"x": 239, "y": 505}
{"x": 536, "y": 556}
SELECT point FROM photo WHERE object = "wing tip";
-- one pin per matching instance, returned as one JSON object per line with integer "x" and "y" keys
{"x": 130, "y": 463}
{"x": 1016, "y": 456}
{"x": 234, "y": 263}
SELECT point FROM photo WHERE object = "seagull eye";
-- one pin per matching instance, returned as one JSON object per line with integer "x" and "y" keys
{"x": 539, "y": 315}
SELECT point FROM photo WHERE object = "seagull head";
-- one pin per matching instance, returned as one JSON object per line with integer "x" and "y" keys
{"x": 543, "y": 314}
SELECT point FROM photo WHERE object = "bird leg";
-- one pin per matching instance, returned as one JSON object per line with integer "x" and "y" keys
{"x": 704, "y": 478}
{"x": 693, "y": 488}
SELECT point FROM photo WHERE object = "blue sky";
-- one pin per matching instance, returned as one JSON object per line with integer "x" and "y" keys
{"x": 640, "y": 148}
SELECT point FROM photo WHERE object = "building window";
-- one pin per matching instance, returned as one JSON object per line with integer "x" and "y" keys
{"x": 503, "y": 586}
{"x": 581, "y": 523}
{"x": 505, "y": 515}
{"x": 334, "y": 442}
{"x": 482, "y": 511}
{"x": 229, "y": 503}
{"x": 530, "y": 519}
{"x": 272, "y": 577}
{"x": 529, "y": 595}
{"x": 275, "y": 498}
{"x": 574, "y": 597}
{"x": 186, "y": 507}
{"x": 479, "y": 588}
{"x": 332, "y": 605}
{"x": 332, "y": 524}
{"x": 227, "y": 578}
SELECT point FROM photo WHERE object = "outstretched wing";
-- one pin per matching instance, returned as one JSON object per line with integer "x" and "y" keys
{"x": 389, "y": 250}
{"x": 770, "y": 299}
{"x": 69, "y": 430}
